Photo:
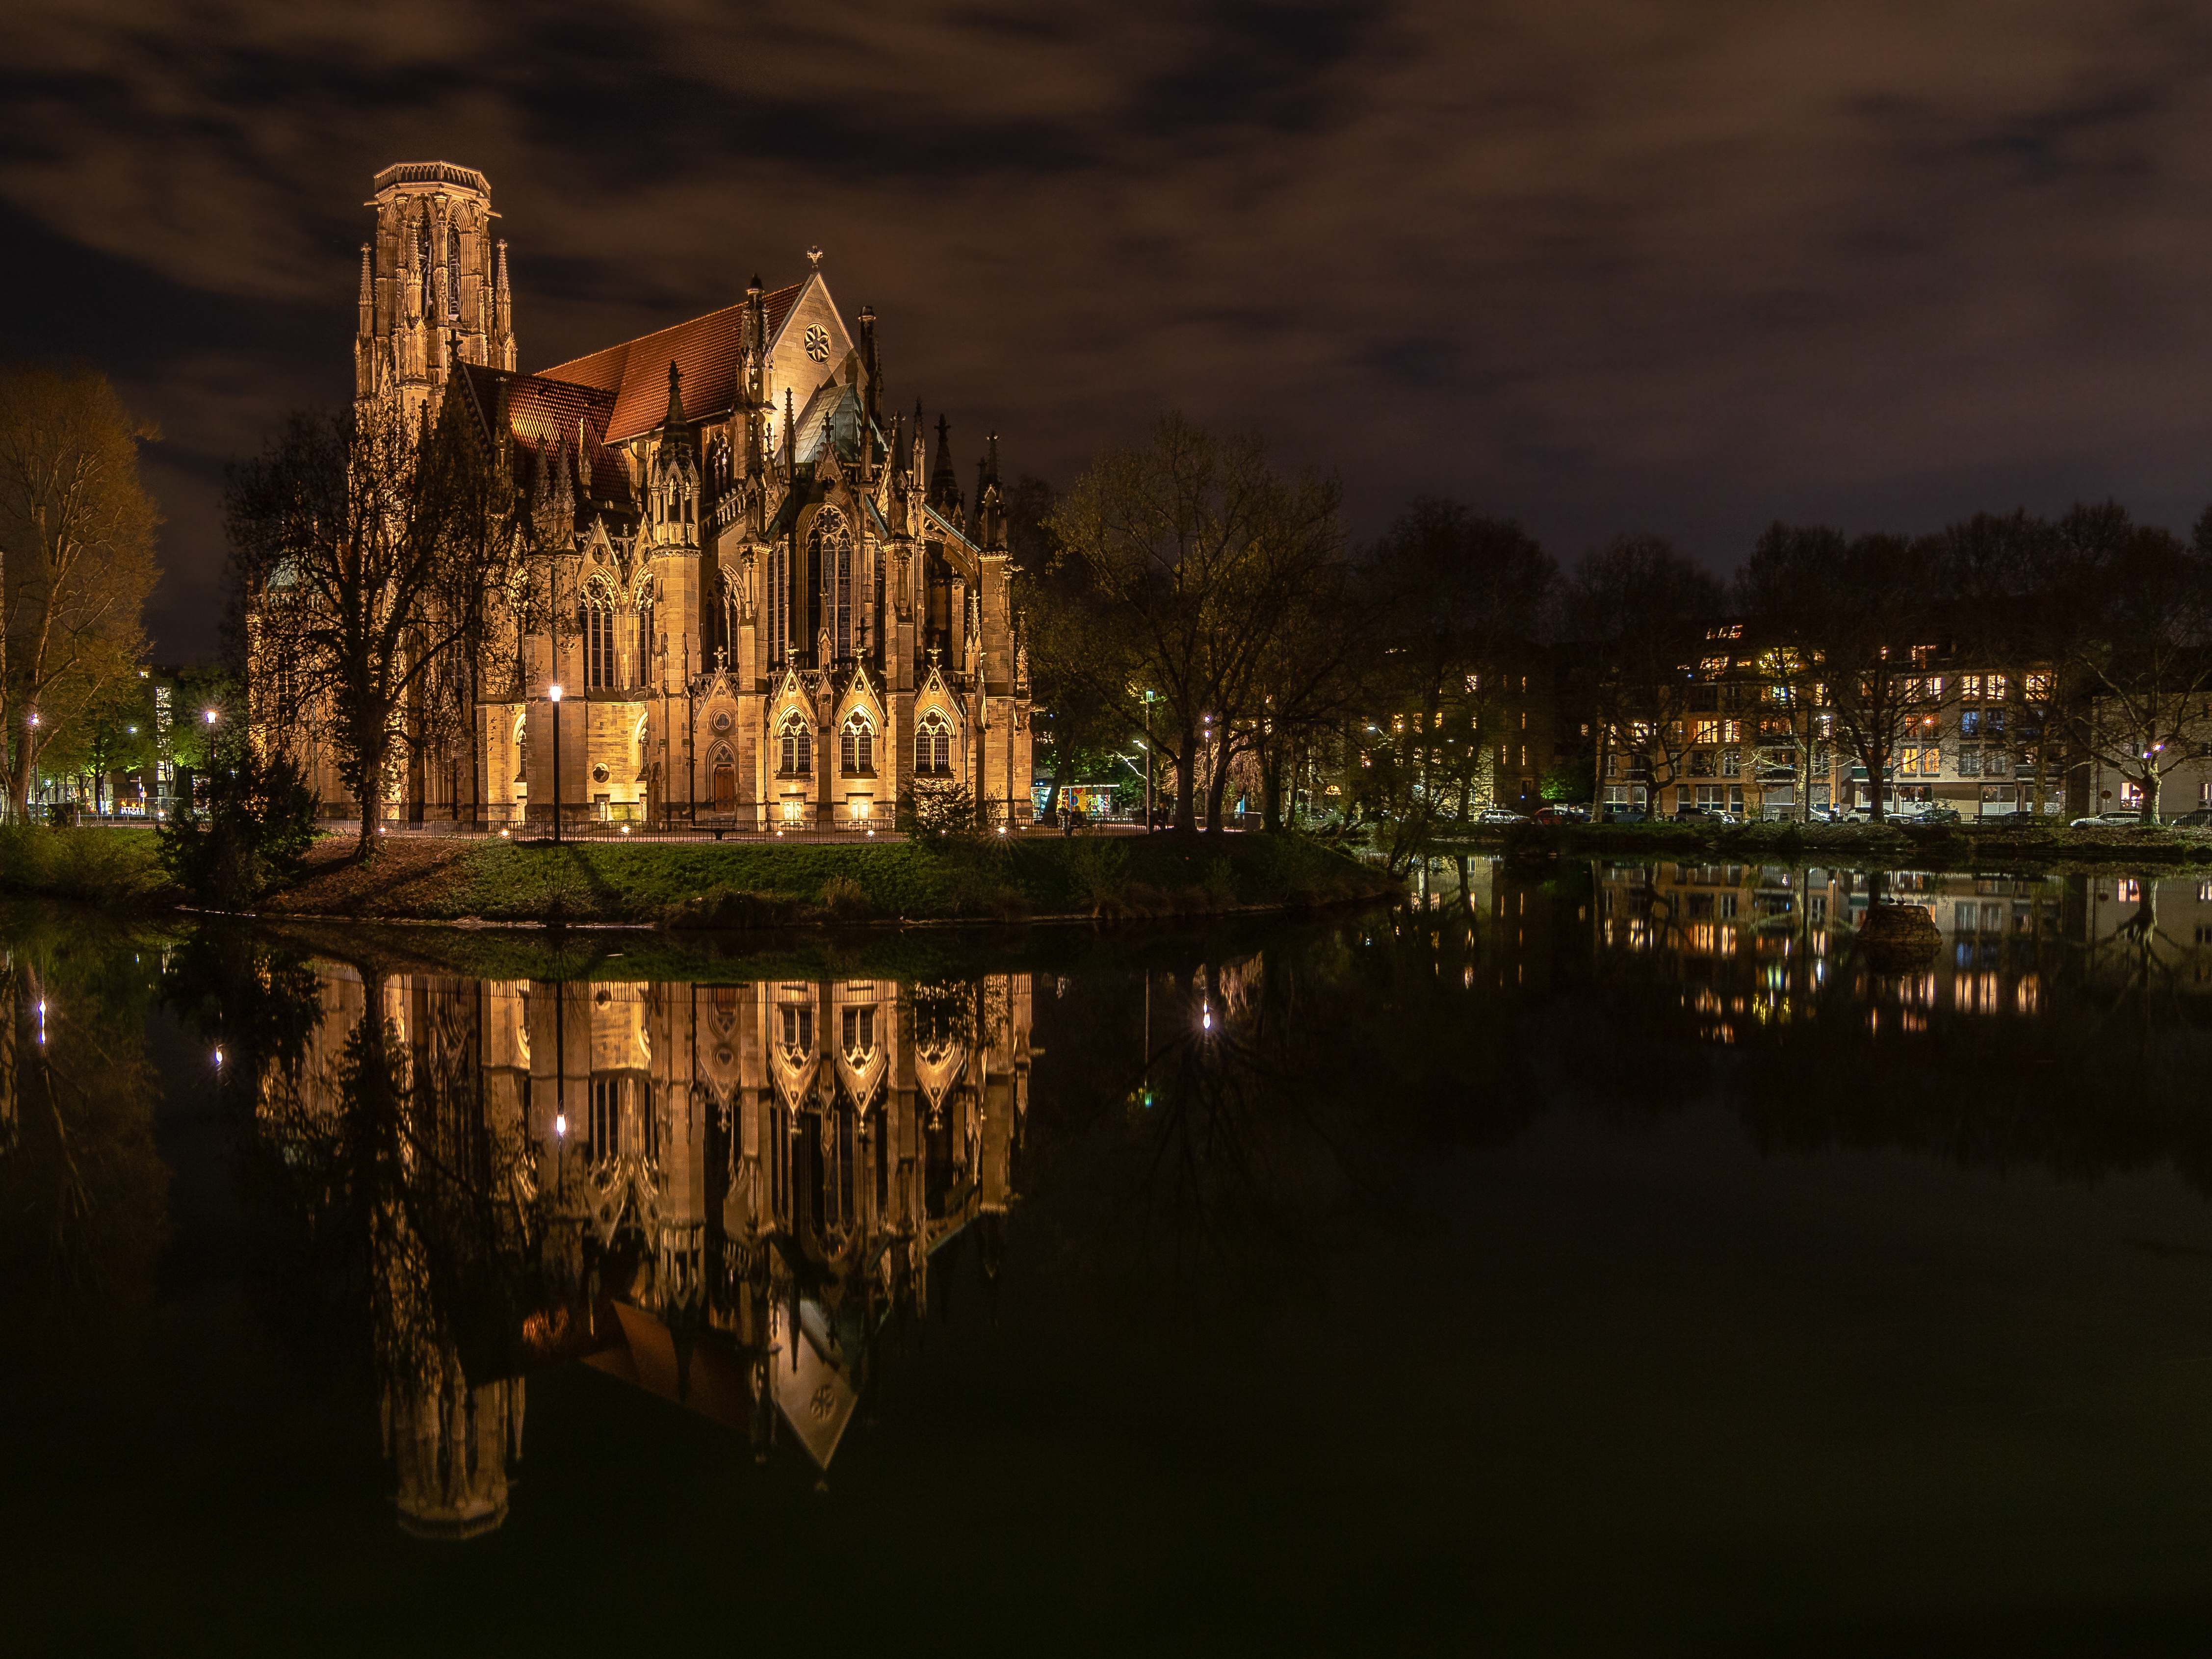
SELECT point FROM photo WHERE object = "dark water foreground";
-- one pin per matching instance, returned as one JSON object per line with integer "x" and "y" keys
{"x": 1633, "y": 1262}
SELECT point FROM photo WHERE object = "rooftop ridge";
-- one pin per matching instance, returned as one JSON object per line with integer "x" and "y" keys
{"x": 768, "y": 301}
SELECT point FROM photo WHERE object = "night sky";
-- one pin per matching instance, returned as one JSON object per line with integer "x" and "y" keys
{"x": 1598, "y": 265}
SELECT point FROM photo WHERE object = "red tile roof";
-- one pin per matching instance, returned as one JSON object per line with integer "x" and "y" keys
{"x": 544, "y": 414}
{"x": 706, "y": 351}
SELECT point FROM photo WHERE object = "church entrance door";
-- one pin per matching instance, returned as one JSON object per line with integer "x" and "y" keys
{"x": 725, "y": 787}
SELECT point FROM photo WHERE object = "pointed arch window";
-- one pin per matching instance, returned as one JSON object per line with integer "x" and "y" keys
{"x": 779, "y": 601}
{"x": 423, "y": 264}
{"x": 453, "y": 270}
{"x": 794, "y": 747}
{"x": 598, "y": 629}
{"x": 932, "y": 744}
{"x": 831, "y": 545}
{"x": 856, "y": 745}
{"x": 645, "y": 637}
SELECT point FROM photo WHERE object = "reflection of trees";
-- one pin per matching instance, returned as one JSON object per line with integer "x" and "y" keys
{"x": 1219, "y": 1128}
{"x": 83, "y": 1192}
{"x": 386, "y": 1189}
{"x": 2083, "y": 1057}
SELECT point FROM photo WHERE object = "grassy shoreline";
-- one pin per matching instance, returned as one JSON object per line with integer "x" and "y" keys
{"x": 706, "y": 885}
{"x": 756, "y": 887}
{"x": 1962, "y": 848}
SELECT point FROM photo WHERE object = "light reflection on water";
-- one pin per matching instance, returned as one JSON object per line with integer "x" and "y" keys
{"x": 757, "y": 1191}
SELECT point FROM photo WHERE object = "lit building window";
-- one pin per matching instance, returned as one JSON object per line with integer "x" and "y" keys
{"x": 932, "y": 744}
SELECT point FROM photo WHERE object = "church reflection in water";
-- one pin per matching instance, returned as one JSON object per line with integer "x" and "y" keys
{"x": 720, "y": 1192}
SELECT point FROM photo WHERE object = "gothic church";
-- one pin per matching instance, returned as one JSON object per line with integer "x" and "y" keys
{"x": 773, "y": 608}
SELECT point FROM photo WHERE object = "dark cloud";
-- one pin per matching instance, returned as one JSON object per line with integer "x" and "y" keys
{"x": 1597, "y": 264}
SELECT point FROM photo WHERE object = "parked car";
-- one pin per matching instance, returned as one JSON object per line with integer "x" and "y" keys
{"x": 1626, "y": 815}
{"x": 1935, "y": 815}
{"x": 1498, "y": 817}
{"x": 1824, "y": 815}
{"x": 2120, "y": 820}
{"x": 1557, "y": 813}
{"x": 2200, "y": 819}
{"x": 1705, "y": 815}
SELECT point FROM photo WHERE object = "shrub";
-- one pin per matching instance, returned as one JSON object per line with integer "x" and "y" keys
{"x": 845, "y": 898}
{"x": 1220, "y": 885}
{"x": 258, "y": 825}
{"x": 935, "y": 814}
{"x": 1097, "y": 873}
{"x": 104, "y": 866}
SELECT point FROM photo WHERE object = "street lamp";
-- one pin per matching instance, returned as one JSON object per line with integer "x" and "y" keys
{"x": 1148, "y": 760}
{"x": 554, "y": 692}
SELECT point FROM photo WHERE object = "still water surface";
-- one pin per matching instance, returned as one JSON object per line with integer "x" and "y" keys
{"x": 1617, "y": 1262}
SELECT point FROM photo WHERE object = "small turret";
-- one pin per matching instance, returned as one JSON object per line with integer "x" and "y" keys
{"x": 871, "y": 400}
{"x": 943, "y": 486}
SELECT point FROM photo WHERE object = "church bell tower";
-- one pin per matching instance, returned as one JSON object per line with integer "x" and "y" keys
{"x": 433, "y": 287}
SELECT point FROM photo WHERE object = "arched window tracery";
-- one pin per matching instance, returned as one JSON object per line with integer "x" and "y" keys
{"x": 932, "y": 744}
{"x": 830, "y": 545}
{"x": 794, "y": 747}
{"x": 422, "y": 264}
{"x": 453, "y": 270}
{"x": 856, "y": 745}
{"x": 645, "y": 637}
{"x": 598, "y": 621}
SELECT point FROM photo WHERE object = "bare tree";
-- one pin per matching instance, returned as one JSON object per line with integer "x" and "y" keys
{"x": 2139, "y": 654}
{"x": 77, "y": 552}
{"x": 1785, "y": 591}
{"x": 1461, "y": 603}
{"x": 1637, "y": 610}
{"x": 1873, "y": 645}
{"x": 371, "y": 566}
{"x": 1196, "y": 556}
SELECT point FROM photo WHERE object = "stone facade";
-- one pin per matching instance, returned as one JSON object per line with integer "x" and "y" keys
{"x": 772, "y": 606}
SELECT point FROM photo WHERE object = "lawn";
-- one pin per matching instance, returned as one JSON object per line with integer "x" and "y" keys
{"x": 699, "y": 884}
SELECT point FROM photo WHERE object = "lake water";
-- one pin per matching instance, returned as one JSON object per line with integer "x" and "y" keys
{"x": 1627, "y": 1260}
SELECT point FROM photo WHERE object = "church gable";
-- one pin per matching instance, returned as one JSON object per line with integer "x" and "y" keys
{"x": 862, "y": 696}
{"x": 933, "y": 696}
{"x": 812, "y": 346}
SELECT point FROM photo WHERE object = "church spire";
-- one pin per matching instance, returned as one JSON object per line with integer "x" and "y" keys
{"x": 674, "y": 419}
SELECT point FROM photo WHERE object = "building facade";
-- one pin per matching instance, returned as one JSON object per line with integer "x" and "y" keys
{"x": 1981, "y": 742}
{"x": 769, "y": 603}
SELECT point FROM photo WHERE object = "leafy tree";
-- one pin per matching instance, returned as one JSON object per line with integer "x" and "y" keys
{"x": 77, "y": 557}
{"x": 116, "y": 734}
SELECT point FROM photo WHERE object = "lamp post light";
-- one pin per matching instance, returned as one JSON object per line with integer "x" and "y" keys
{"x": 1148, "y": 762}
{"x": 554, "y": 692}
